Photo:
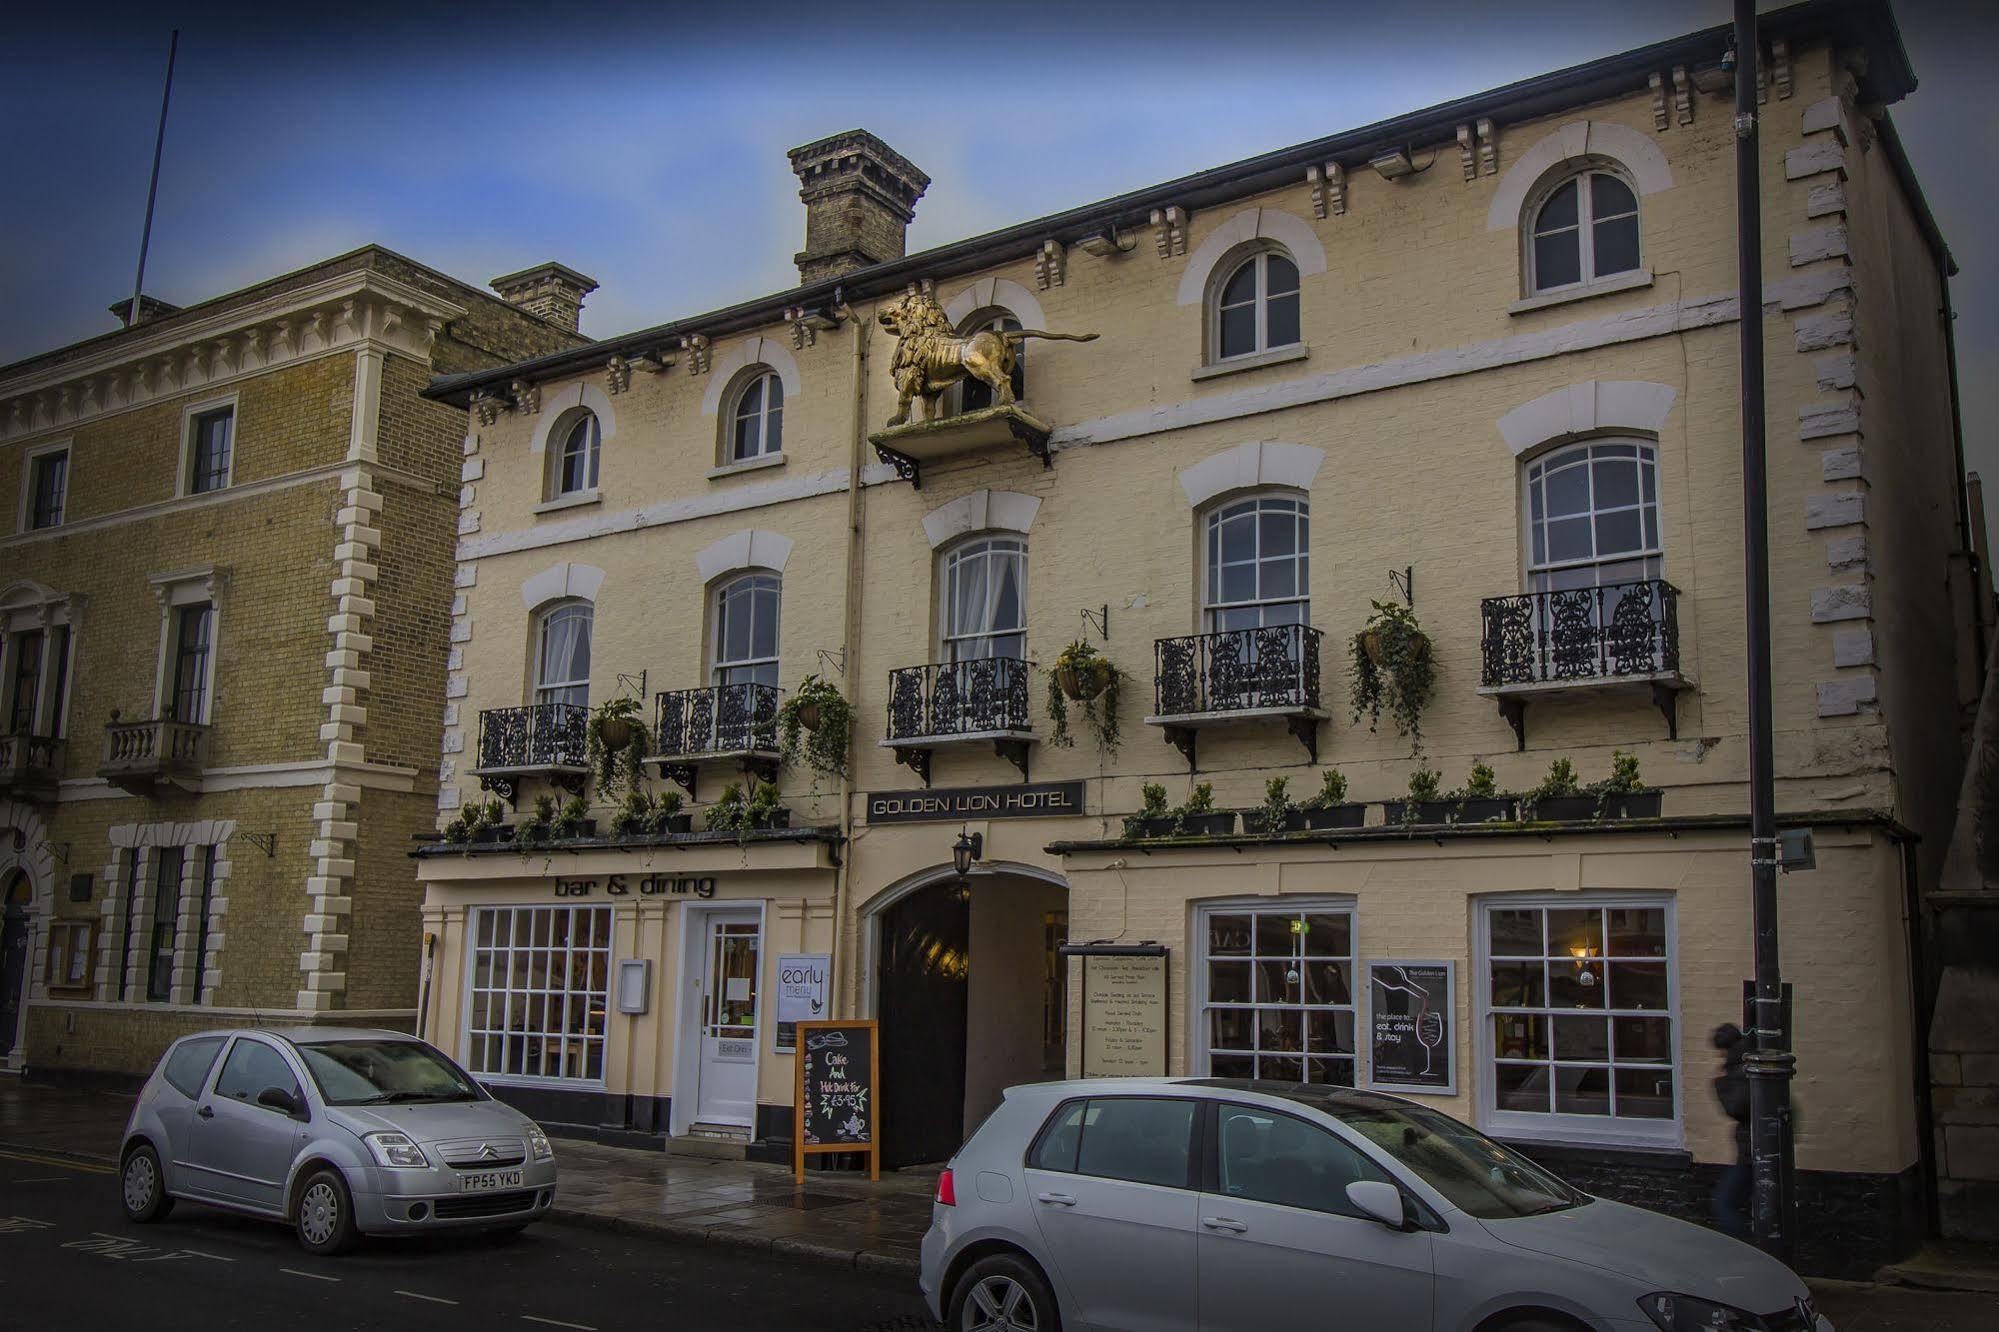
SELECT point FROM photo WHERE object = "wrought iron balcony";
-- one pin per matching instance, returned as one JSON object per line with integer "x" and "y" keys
{"x": 1237, "y": 675}
{"x": 1543, "y": 644}
{"x": 952, "y": 702}
{"x": 721, "y": 722}
{"x": 31, "y": 766}
{"x": 139, "y": 755}
{"x": 537, "y": 740}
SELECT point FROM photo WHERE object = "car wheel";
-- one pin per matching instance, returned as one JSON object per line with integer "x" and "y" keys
{"x": 1003, "y": 1293}
{"x": 325, "y": 1220}
{"x": 142, "y": 1187}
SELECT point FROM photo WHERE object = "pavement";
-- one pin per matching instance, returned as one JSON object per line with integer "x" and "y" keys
{"x": 757, "y": 1247}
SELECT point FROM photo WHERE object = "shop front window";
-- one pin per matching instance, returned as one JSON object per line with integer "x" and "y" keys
{"x": 1277, "y": 993}
{"x": 539, "y": 990}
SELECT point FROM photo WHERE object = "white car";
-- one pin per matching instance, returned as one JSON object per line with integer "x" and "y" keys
{"x": 1173, "y": 1205}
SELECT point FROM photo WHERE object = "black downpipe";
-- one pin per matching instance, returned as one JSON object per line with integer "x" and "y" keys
{"x": 1922, "y": 1008}
{"x": 1770, "y": 1062}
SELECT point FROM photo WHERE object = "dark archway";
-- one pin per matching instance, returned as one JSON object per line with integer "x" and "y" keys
{"x": 922, "y": 991}
{"x": 15, "y": 930}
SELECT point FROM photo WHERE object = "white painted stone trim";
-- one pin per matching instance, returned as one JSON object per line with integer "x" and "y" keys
{"x": 1587, "y": 408}
{"x": 980, "y": 511}
{"x": 1247, "y": 466}
{"x": 1001, "y": 293}
{"x": 750, "y": 548}
{"x": 1292, "y": 232}
{"x": 1575, "y": 144}
{"x": 557, "y": 403}
{"x": 749, "y": 352}
{"x": 562, "y": 582}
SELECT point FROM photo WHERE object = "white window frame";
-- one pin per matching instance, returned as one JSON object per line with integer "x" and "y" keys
{"x": 24, "y": 521}
{"x": 1226, "y": 272}
{"x": 1655, "y": 551}
{"x": 44, "y": 616}
{"x": 512, "y": 910}
{"x": 717, "y": 664}
{"x": 752, "y": 377}
{"x": 174, "y": 593}
{"x": 947, "y": 561}
{"x": 543, "y": 617}
{"x": 1586, "y": 221}
{"x": 1197, "y": 990}
{"x": 184, "y": 480}
{"x": 558, "y": 444}
{"x": 1211, "y": 516}
{"x": 1599, "y": 1130}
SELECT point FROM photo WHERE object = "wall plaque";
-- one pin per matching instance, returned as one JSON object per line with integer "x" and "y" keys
{"x": 1032, "y": 800}
{"x": 1124, "y": 1009}
{"x": 1410, "y": 1008}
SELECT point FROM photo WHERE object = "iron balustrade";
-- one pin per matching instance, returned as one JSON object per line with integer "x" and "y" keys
{"x": 1585, "y": 633}
{"x": 536, "y": 736}
{"x": 720, "y": 719}
{"x": 1237, "y": 670}
{"x": 975, "y": 697}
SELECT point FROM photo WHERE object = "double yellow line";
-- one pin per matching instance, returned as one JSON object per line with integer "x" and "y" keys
{"x": 57, "y": 1161}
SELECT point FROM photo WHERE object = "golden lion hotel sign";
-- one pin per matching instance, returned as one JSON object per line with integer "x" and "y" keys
{"x": 1032, "y": 800}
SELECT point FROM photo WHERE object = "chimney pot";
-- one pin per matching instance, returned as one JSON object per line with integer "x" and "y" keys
{"x": 859, "y": 196}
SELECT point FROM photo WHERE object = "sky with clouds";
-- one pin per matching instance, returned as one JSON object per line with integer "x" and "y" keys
{"x": 644, "y": 143}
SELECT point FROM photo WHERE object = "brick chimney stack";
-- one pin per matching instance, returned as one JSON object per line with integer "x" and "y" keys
{"x": 551, "y": 290}
{"x": 860, "y": 195}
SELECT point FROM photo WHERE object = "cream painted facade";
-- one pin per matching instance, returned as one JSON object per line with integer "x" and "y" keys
{"x": 1427, "y": 378}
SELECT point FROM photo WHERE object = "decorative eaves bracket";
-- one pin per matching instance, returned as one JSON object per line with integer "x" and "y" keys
{"x": 807, "y": 323}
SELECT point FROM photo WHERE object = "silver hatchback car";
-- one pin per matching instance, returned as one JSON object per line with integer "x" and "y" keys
{"x": 1235, "y": 1206}
{"x": 337, "y": 1132}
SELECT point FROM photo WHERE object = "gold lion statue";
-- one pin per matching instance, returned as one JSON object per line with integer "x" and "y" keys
{"x": 930, "y": 357}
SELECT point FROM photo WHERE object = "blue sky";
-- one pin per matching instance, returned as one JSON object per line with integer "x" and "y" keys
{"x": 644, "y": 143}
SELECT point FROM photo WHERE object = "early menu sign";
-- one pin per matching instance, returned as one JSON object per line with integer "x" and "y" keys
{"x": 1409, "y": 1011}
{"x": 1124, "y": 1010}
{"x": 950, "y": 804}
{"x": 839, "y": 1067}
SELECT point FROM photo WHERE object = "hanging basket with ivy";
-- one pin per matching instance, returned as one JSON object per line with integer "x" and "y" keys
{"x": 1392, "y": 667}
{"x": 615, "y": 743}
{"x": 1084, "y": 676}
{"x": 816, "y": 723}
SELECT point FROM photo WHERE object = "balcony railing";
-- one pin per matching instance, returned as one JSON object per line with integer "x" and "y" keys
{"x": 958, "y": 698}
{"x": 1275, "y": 667}
{"x": 733, "y": 719}
{"x": 1617, "y": 631}
{"x": 139, "y": 754}
{"x": 30, "y": 765}
{"x": 537, "y": 738}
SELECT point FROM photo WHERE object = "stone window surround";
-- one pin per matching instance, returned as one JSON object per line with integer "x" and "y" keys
{"x": 1214, "y": 261}
{"x": 1530, "y": 213}
{"x": 195, "y": 980}
{"x": 188, "y": 413}
{"x": 1557, "y": 155}
{"x": 174, "y": 591}
{"x": 26, "y": 606}
{"x": 553, "y": 440}
{"x": 24, "y": 519}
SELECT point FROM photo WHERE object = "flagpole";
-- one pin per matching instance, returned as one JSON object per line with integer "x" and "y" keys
{"x": 153, "y": 189}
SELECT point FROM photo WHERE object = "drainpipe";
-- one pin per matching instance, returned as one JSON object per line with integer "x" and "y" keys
{"x": 1922, "y": 1004}
{"x": 850, "y": 652}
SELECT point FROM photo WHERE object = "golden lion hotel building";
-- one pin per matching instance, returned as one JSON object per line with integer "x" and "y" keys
{"x": 1316, "y": 369}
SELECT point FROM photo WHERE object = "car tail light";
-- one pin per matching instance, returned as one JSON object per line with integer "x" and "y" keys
{"x": 947, "y": 1192}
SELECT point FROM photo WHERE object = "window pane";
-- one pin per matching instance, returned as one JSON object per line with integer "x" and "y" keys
{"x": 1328, "y": 934}
{"x": 1637, "y": 932}
{"x": 1057, "y": 1148}
{"x": 1557, "y": 260}
{"x": 1615, "y": 246}
{"x": 1575, "y": 933}
{"x": 1231, "y": 1029}
{"x": 1282, "y": 321}
{"x": 1280, "y": 275}
{"x": 1238, "y": 529}
{"x": 1276, "y": 934}
{"x": 1278, "y": 531}
{"x": 1516, "y": 933}
{"x": 1280, "y": 1068}
{"x": 1228, "y": 936}
{"x": 1141, "y": 1140}
{"x": 1618, "y": 532}
{"x": 1238, "y": 330}
{"x": 1585, "y": 1038}
{"x": 752, "y": 401}
{"x": 1520, "y": 1036}
{"x": 1519, "y": 985}
{"x": 1241, "y": 286}
{"x": 1232, "y": 1066}
{"x": 1277, "y": 982}
{"x": 1331, "y": 1032}
{"x": 1638, "y": 985}
{"x": 1582, "y": 1091}
{"x": 1610, "y": 196}
{"x": 1238, "y": 583}
{"x": 1272, "y": 1158}
{"x": 1280, "y": 1029}
{"x": 1327, "y": 983}
{"x": 1616, "y": 482}
{"x": 1521, "y": 1087}
{"x": 1228, "y": 982}
{"x": 1559, "y": 211}
{"x": 1575, "y": 984}
{"x": 1645, "y": 1093}
{"x": 1643, "y": 1040}
{"x": 1568, "y": 490}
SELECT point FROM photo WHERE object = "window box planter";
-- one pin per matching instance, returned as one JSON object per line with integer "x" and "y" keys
{"x": 1484, "y": 809}
{"x": 497, "y": 833}
{"x": 587, "y": 831}
{"x": 1218, "y": 824}
{"x": 1255, "y": 821}
{"x": 679, "y": 823}
{"x": 1633, "y": 805}
{"x": 1426, "y": 811}
{"x": 1335, "y": 816}
{"x": 1564, "y": 809}
{"x": 1140, "y": 826}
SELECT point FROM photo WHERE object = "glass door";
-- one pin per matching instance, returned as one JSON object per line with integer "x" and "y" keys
{"x": 730, "y": 989}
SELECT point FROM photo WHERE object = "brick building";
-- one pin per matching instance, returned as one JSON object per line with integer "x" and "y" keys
{"x": 225, "y": 589}
{"x": 1477, "y": 362}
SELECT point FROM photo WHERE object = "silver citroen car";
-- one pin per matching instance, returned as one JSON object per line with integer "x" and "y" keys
{"x": 1236, "y": 1206}
{"x": 337, "y": 1132}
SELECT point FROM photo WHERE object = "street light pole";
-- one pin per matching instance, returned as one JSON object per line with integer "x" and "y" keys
{"x": 1769, "y": 1063}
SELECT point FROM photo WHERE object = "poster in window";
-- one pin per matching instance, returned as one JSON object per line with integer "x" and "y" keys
{"x": 1410, "y": 1013}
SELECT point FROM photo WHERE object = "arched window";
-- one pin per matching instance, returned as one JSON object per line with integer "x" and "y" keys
{"x": 572, "y": 467}
{"x": 1258, "y": 563}
{"x": 974, "y": 395}
{"x": 756, "y": 416}
{"x": 746, "y": 611}
{"x": 1256, "y": 306}
{"x": 985, "y": 599}
{"x": 1593, "y": 515}
{"x": 1583, "y": 230}
{"x": 562, "y": 655}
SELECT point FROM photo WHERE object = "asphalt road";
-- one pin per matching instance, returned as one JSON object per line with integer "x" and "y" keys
{"x": 70, "y": 1259}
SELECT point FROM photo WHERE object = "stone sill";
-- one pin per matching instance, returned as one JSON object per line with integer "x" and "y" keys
{"x": 574, "y": 500}
{"x": 1255, "y": 361}
{"x": 747, "y": 465}
{"x": 1582, "y": 292}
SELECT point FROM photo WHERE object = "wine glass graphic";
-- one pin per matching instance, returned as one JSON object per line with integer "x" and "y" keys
{"x": 1429, "y": 1022}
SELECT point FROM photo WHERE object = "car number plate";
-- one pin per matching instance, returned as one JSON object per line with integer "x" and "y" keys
{"x": 491, "y": 1179}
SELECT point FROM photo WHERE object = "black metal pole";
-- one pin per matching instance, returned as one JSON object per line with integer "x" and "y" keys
{"x": 153, "y": 189}
{"x": 1769, "y": 1061}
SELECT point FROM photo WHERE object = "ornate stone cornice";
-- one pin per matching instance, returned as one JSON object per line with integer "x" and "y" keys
{"x": 346, "y": 311}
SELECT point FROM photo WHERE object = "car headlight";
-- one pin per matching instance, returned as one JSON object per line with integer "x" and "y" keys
{"x": 1684, "y": 1313}
{"x": 538, "y": 1144}
{"x": 396, "y": 1150}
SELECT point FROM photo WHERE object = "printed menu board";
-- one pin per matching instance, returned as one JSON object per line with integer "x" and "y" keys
{"x": 835, "y": 1105}
{"x": 1410, "y": 1007}
{"x": 1124, "y": 1016}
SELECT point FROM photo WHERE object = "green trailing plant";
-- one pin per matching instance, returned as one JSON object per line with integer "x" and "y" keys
{"x": 734, "y": 812}
{"x": 664, "y": 807}
{"x": 1083, "y": 675}
{"x": 1392, "y": 667}
{"x": 1277, "y": 805}
{"x": 1332, "y": 790}
{"x": 816, "y": 723}
{"x": 763, "y": 805}
{"x": 1152, "y": 805}
{"x": 614, "y": 743}
{"x": 727, "y": 813}
{"x": 535, "y": 827}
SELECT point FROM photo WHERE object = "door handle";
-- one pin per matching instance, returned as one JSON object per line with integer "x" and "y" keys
{"x": 1057, "y": 1199}
{"x": 206, "y": 1112}
{"x": 1234, "y": 1227}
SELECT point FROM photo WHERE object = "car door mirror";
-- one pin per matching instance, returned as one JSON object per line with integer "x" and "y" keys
{"x": 277, "y": 1098}
{"x": 1380, "y": 1202}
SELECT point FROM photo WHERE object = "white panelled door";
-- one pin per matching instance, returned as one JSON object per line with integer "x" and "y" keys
{"x": 730, "y": 979}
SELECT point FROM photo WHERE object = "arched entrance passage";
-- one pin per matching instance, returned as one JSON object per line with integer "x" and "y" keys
{"x": 16, "y": 901}
{"x": 971, "y": 996}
